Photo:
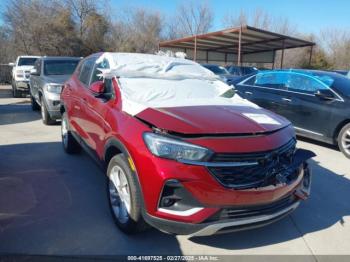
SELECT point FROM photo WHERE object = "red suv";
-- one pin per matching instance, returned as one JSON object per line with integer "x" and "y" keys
{"x": 182, "y": 151}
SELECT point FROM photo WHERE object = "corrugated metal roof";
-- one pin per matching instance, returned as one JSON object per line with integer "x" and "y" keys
{"x": 253, "y": 40}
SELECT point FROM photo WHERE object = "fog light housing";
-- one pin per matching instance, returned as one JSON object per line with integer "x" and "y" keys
{"x": 176, "y": 200}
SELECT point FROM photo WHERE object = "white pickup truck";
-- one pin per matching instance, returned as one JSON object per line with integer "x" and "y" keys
{"x": 21, "y": 73}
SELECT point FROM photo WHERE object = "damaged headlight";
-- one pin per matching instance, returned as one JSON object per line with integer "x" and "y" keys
{"x": 54, "y": 88}
{"x": 174, "y": 149}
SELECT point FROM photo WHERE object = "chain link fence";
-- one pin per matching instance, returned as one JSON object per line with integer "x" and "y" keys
{"x": 5, "y": 74}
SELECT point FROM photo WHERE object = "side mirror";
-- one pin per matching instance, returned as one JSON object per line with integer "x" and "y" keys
{"x": 12, "y": 64}
{"x": 325, "y": 94}
{"x": 97, "y": 87}
{"x": 33, "y": 72}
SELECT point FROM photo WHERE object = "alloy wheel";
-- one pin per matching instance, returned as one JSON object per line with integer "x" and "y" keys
{"x": 119, "y": 193}
{"x": 345, "y": 141}
{"x": 64, "y": 132}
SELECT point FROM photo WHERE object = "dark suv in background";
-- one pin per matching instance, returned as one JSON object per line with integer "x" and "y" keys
{"x": 46, "y": 80}
{"x": 241, "y": 70}
{"x": 222, "y": 73}
{"x": 316, "y": 102}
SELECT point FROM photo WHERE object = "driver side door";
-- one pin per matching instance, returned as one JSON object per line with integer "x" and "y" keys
{"x": 96, "y": 108}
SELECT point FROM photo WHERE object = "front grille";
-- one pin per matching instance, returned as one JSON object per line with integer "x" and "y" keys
{"x": 27, "y": 74}
{"x": 266, "y": 209}
{"x": 273, "y": 167}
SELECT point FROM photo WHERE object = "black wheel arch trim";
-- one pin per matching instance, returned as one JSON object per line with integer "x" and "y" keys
{"x": 116, "y": 143}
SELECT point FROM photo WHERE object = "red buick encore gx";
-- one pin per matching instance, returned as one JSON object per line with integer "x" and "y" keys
{"x": 182, "y": 152}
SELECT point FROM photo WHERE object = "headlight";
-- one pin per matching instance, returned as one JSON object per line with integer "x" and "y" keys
{"x": 54, "y": 88}
{"x": 20, "y": 73}
{"x": 174, "y": 149}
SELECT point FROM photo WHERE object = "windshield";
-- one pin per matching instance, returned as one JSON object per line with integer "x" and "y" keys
{"x": 218, "y": 70}
{"x": 26, "y": 61}
{"x": 60, "y": 67}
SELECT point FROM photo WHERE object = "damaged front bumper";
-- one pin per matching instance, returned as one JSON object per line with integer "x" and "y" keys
{"x": 236, "y": 218}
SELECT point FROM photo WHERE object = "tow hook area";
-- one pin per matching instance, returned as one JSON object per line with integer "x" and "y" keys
{"x": 304, "y": 191}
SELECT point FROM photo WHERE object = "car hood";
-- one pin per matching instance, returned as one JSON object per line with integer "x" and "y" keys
{"x": 201, "y": 120}
{"x": 24, "y": 68}
{"x": 57, "y": 79}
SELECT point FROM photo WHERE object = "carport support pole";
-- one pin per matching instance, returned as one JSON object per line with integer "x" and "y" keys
{"x": 282, "y": 56}
{"x": 239, "y": 46}
{"x": 195, "y": 48}
{"x": 310, "y": 58}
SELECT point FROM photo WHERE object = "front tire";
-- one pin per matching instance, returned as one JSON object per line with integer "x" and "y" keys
{"x": 70, "y": 145}
{"x": 47, "y": 120}
{"x": 344, "y": 140}
{"x": 125, "y": 196}
{"x": 34, "y": 104}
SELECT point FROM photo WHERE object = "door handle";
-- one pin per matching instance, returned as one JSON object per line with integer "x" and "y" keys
{"x": 286, "y": 99}
{"x": 248, "y": 93}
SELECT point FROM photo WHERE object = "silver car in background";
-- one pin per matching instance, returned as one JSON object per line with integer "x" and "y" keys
{"x": 46, "y": 81}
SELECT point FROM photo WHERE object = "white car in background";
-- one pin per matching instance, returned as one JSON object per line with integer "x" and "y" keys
{"x": 21, "y": 73}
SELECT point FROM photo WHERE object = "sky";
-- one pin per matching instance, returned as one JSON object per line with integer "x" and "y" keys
{"x": 310, "y": 16}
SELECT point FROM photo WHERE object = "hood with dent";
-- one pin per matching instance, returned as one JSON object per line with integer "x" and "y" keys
{"x": 213, "y": 119}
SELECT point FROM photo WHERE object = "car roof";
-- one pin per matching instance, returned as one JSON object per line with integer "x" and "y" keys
{"x": 28, "y": 56}
{"x": 304, "y": 71}
{"x": 45, "y": 58}
{"x": 211, "y": 65}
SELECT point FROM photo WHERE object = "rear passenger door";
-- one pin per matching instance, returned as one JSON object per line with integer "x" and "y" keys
{"x": 308, "y": 113}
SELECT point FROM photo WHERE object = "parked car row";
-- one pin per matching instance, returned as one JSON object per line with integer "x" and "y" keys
{"x": 42, "y": 78}
{"x": 182, "y": 150}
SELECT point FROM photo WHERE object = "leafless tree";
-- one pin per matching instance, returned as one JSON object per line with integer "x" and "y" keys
{"x": 190, "y": 19}
{"x": 137, "y": 30}
{"x": 260, "y": 19}
{"x": 336, "y": 43}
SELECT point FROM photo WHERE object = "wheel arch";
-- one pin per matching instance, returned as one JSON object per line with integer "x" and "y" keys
{"x": 113, "y": 147}
{"x": 338, "y": 128}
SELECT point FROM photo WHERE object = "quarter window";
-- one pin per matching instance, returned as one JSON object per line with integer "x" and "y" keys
{"x": 95, "y": 75}
{"x": 86, "y": 71}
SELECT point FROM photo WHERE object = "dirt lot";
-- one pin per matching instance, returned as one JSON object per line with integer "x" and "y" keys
{"x": 53, "y": 203}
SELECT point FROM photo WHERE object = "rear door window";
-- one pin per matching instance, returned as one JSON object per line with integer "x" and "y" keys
{"x": 304, "y": 84}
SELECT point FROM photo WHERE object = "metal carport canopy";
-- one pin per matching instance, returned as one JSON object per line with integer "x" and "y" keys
{"x": 234, "y": 44}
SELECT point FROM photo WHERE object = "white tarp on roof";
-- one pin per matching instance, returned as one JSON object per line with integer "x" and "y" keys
{"x": 161, "y": 81}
